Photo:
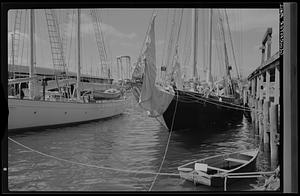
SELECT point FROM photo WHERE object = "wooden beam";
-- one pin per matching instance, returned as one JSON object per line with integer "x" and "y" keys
{"x": 267, "y": 85}
{"x": 253, "y": 87}
{"x": 257, "y": 87}
{"x": 267, "y": 34}
{"x": 277, "y": 85}
{"x": 290, "y": 99}
{"x": 261, "y": 88}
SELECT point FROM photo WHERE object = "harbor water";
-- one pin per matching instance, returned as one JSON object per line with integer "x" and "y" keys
{"x": 96, "y": 156}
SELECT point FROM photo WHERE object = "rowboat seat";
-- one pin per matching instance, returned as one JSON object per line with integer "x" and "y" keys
{"x": 236, "y": 160}
{"x": 251, "y": 153}
{"x": 216, "y": 168}
{"x": 185, "y": 169}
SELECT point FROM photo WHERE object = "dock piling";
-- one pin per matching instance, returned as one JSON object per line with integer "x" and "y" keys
{"x": 260, "y": 118}
{"x": 274, "y": 134}
{"x": 256, "y": 114}
{"x": 266, "y": 123}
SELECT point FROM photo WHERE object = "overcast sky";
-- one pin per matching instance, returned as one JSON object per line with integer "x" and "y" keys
{"x": 124, "y": 32}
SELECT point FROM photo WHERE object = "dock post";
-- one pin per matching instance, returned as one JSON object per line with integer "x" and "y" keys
{"x": 260, "y": 119}
{"x": 266, "y": 124}
{"x": 256, "y": 113}
{"x": 244, "y": 96}
{"x": 252, "y": 107}
{"x": 277, "y": 85}
{"x": 268, "y": 85}
{"x": 274, "y": 134}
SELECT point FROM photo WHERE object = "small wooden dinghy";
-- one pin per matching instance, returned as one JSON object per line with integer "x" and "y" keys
{"x": 210, "y": 171}
{"x": 107, "y": 94}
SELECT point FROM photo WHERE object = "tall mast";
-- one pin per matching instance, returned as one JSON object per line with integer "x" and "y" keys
{"x": 228, "y": 76}
{"x": 195, "y": 39}
{"x": 78, "y": 48}
{"x": 12, "y": 53}
{"x": 237, "y": 72}
{"x": 32, "y": 52}
{"x": 208, "y": 76}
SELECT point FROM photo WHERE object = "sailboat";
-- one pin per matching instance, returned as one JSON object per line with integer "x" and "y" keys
{"x": 32, "y": 113}
{"x": 181, "y": 109}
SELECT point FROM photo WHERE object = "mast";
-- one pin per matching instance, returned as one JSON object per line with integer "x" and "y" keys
{"x": 78, "y": 48}
{"x": 32, "y": 53}
{"x": 12, "y": 53}
{"x": 237, "y": 72}
{"x": 228, "y": 68}
{"x": 208, "y": 76}
{"x": 195, "y": 39}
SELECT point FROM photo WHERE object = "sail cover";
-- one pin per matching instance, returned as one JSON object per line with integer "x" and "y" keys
{"x": 153, "y": 99}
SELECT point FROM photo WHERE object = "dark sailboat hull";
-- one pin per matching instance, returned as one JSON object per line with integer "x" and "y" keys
{"x": 190, "y": 110}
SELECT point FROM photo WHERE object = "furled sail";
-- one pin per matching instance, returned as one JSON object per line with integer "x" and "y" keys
{"x": 176, "y": 76}
{"x": 152, "y": 98}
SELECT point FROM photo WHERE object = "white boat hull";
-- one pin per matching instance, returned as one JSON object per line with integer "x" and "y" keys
{"x": 25, "y": 114}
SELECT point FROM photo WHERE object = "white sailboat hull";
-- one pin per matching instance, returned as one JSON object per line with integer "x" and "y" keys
{"x": 25, "y": 114}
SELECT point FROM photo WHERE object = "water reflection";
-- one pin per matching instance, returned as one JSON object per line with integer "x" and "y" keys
{"x": 131, "y": 141}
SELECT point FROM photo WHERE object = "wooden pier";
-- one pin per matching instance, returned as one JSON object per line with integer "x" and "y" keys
{"x": 262, "y": 95}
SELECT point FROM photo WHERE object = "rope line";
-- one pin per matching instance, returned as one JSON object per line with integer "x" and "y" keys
{"x": 153, "y": 182}
{"x": 237, "y": 107}
{"x": 94, "y": 166}
{"x": 234, "y": 106}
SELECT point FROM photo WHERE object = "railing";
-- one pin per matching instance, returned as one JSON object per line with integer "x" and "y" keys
{"x": 245, "y": 175}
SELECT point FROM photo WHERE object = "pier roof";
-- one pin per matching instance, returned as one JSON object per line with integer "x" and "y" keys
{"x": 46, "y": 71}
{"x": 268, "y": 64}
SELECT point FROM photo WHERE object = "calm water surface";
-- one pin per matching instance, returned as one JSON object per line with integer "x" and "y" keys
{"x": 131, "y": 141}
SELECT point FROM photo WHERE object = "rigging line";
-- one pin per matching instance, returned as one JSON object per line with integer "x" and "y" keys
{"x": 94, "y": 166}
{"x": 166, "y": 149}
{"x": 234, "y": 106}
{"x": 204, "y": 40}
{"x": 170, "y": 43}
{"x": 27, "y": 51}
{"x": 219, "y": 51}
{"x": 109, "y": 50}
{"x": 227, "y": 66}
{"x": 242, "y": 39}
{"x": 179, "y": 28}
{"x": 25, "y": 24}
{"x": 187, "y": 50}
{"x": 20, "y": 37}
{"x": 219, "y": 58}
{"x": 70, "y": 46}
{"x": 163, "y": 56}
{"x": 102, "y": 35}
{"x": 185, "y": 44}
{"x": 237, "y": 71}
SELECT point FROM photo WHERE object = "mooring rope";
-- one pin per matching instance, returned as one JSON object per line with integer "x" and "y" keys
{"x": 166, "y": 149}
{"x": 233, "y": 106}
{"x": 94, "y": 166}
{"x": 229, "y": 105}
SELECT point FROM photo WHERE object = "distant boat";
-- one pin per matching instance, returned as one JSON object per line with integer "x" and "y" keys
{"x": 64, "y": 106}
{"x": 107, "y": 94}
{"x": 210, "y": 171}
{"x": 184, "y": 109}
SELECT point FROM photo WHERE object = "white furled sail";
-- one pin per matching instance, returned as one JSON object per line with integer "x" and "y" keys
{"x": 152, "y": 99}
